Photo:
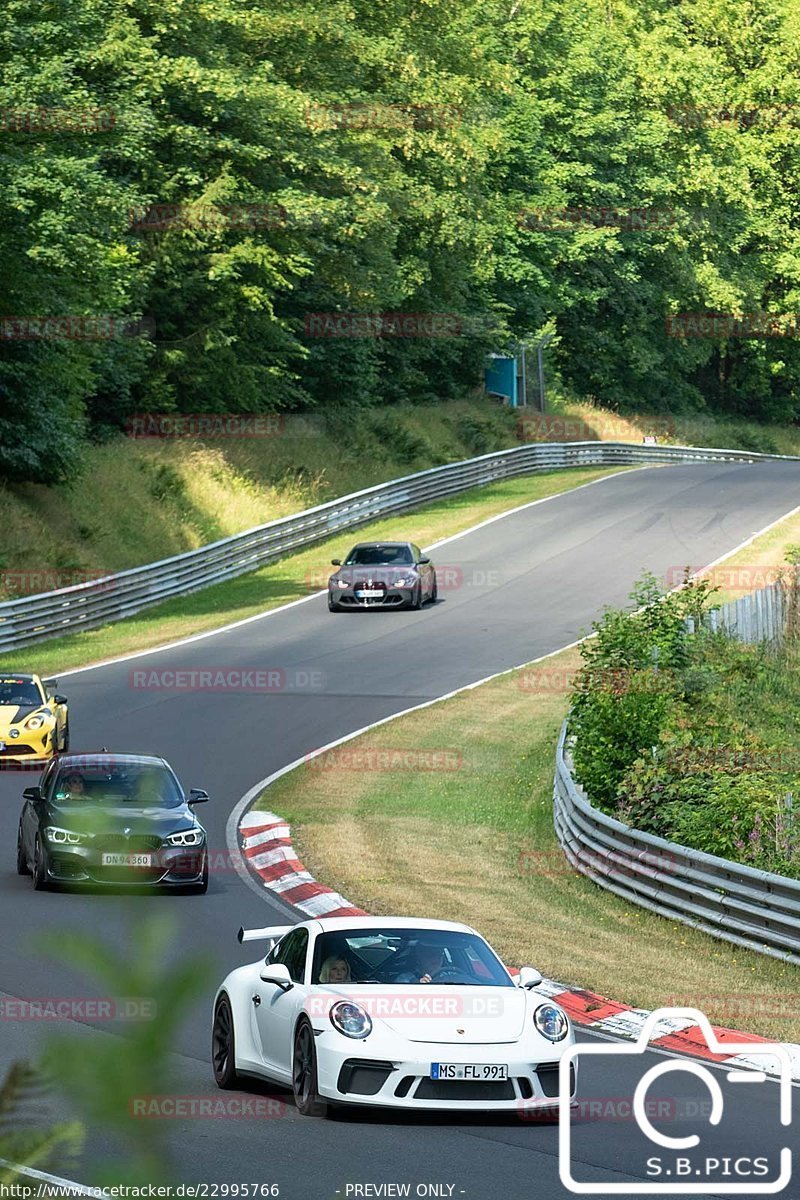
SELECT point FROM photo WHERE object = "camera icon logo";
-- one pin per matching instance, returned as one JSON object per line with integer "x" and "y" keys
{"x": 677, "y": 1170}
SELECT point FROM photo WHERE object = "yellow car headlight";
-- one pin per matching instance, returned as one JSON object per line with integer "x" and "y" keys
{"x": 37, "y": 721}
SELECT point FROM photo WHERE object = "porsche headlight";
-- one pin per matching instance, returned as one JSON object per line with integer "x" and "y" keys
{"x": 62, "y": 837}
{"x": 37, "y": 721}
{"x": 187, "y": 837}
{"x": 551, "y": 1022}
{"x": 350, "y": 1019}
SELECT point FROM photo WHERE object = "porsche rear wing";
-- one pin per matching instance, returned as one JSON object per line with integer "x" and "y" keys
{"x": 271, "y": 934}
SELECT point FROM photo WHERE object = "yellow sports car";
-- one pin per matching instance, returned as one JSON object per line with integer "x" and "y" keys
{"x": 34, "y": 722}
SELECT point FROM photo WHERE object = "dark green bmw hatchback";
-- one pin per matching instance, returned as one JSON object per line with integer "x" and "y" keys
{"x": 122, "y": 820}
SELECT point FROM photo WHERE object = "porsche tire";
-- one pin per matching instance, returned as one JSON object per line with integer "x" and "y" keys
{"x": 223, "y": 1046}
{"x": 304, "y": 1073}
{"x": 40, "y": 881}
{"x": 22, "y": 859}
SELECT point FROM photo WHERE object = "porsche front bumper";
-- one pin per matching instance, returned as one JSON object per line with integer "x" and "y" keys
{"x": 350, "y": 1075}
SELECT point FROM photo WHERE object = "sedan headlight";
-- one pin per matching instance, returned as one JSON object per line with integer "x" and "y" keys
{"x": 551, "y": 1022}
{"x": 62, "y": 837}
{"x": 37, "y": 721}
{"x": 341, "y": 583}
{"x": 406, "y": 581}
{"x": 187, "y": 837}
{"x": 350, "y": 1019}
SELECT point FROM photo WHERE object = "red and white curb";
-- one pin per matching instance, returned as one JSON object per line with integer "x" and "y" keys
{"x": 268, "y": 851}
{"x": 267, "y": 848}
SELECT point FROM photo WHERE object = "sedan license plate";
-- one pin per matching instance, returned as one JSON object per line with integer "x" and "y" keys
{"x": 369, "y": 594}
{"x": 482, "y": 1071}
{"x": 127, "y": 860}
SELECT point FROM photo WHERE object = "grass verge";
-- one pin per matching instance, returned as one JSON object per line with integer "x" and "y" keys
{"x": 291, "y": 578}
{"x": 473, "y": 841}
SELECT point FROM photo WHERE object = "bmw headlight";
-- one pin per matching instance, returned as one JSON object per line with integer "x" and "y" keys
{"x": 187, "y": 837}
{"x": 62, "y": 837}
{"x": 350, "y": 1019}
{"x": 406, "y": 581}
{"x": 551, "y": 1022}
{"x": 341, "y": 583}
{"x": 37, "y": 721}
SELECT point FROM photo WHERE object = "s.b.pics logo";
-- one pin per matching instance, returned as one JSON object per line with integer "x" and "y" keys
{"x": 684, "y": 1144}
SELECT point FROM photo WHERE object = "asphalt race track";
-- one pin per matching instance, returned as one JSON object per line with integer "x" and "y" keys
{"x": 530, "y": 583}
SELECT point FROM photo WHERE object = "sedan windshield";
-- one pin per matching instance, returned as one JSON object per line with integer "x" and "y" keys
{"x": 439, "y": 956}
{"x": 21, "y": 692}
{"x": 142, "y": 785}
{"x": 374, "y": 556}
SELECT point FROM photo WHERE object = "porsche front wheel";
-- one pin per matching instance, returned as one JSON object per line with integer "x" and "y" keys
{"x": 304, "y": 1074}
{"x": 223, "y": 1046}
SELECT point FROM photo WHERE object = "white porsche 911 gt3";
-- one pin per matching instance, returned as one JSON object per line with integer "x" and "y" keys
{"x": 390, "y": 1011}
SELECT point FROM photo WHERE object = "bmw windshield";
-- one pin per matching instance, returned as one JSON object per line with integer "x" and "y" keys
{"x": 142, "y": 785}
{"x": 379, "y": 556}
{"x": 404, "y": 956}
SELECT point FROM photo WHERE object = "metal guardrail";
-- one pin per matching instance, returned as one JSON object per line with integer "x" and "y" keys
{"x": 113, "y": 597}
{"x": 729, "y": 900}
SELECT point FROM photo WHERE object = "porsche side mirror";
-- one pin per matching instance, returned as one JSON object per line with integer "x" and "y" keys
{"x": 528, "y": 977}
{"x": 32, "y": 793}
{"x": 197, "y": 796}
{"x": 59, "y": 699}
{"x": 336, "y": 562}
{"x": 277, "y": 973}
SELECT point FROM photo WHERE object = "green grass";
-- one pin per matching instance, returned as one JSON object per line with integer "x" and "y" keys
{"x": 290, "y": 579}
{"x": 474, "y": 842}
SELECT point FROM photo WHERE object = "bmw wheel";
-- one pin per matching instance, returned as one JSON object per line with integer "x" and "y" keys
{"x": 333, "y": 607}
{"x": 22, "y": 858}
{"x": 304, "y": 1073}
{"x": 415, "y": 602}
{"x": 39, "y": 866}
{"x": 434, "y": 591}
{"x": 223, "y": 1046}
{"x": 202, "y": 887}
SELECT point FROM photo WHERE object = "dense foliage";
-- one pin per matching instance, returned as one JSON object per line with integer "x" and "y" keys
{"x": 400, "y": 156}
{"x": 691, "y": 736}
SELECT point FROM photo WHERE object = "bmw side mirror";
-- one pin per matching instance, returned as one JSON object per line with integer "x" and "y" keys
{"x": 59, "y": 698}
{"x": 197, "y": 796}
{"x": 277, "y": 973}
{"x": 528, "y": 977}
{"x": 32, "y": 793}
{"x": 424, "y": 562}
{"x": 336, "y": 562}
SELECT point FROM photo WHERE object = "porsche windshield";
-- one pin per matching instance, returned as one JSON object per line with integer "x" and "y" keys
{"x": 440, "y": 956}
{"x": 142, "y": 785}
{"x": 379, "y": 556}
{"x": 23, "y": 693}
